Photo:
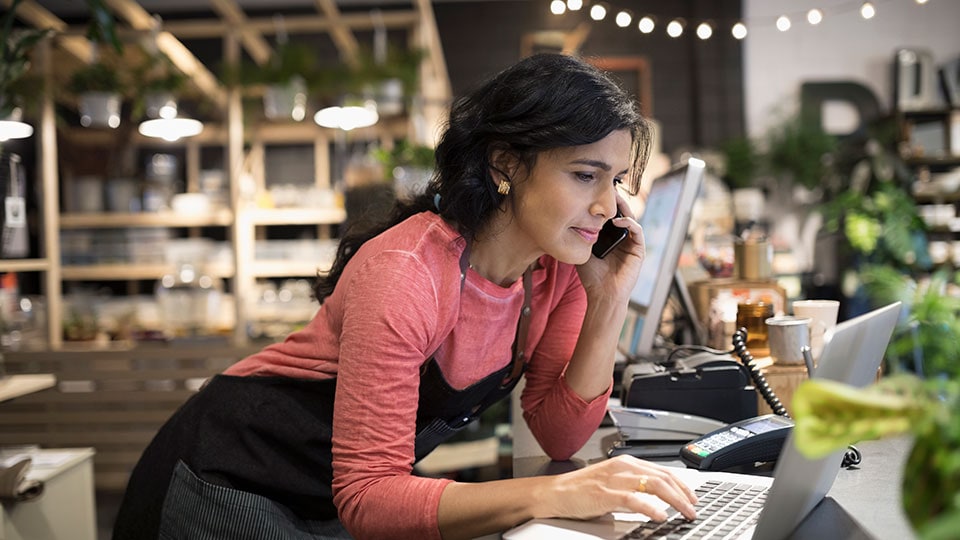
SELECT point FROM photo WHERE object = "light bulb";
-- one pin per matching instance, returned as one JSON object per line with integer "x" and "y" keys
{"x": 646, "y": 25}
{"x": 704, "y": 31}
{"x": 739, "y": 31}
{"x": 557, "y": 7}
{"x": 867, "y": 11}
{"x": 814, "y": 16}
{"x": 783, "y": 23}
{"x": 574, "y": 5}
{"x": 675, "y": 28}
{"x": 598, "y": 12}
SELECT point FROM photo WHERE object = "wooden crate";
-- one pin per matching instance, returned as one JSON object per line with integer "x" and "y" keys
{"x": 112, "y": 400}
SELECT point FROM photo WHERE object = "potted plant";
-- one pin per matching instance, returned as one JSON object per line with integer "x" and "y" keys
{"x": 920, "y": 392}
{"x": 409, "y": 165}
{"x": 99, "y": 92}
{"x": 15, "y": 47}
{"x": 830, "y": 415}
{"x": 159, "y": 82}
{"x": 285, "y": 79}
{"x": 387, "y": 78}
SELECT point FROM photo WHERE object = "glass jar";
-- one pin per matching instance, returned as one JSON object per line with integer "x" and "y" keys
{"x": 753, "y": 316}
{"x": 189, "y": 300}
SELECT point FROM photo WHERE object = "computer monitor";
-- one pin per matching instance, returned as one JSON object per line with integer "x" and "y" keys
{"x": 665, "y": 221}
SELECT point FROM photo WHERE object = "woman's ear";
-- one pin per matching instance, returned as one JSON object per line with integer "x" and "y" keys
{"x": 503, "y": 165}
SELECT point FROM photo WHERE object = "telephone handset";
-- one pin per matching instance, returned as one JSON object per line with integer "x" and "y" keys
{"x": 749, "y": 441}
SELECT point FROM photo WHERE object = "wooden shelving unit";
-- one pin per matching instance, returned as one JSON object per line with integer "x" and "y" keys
{"x": 243, "y": 143}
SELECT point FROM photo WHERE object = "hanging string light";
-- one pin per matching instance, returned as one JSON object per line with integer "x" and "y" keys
{"x": 598, "y": 12}
{"x": 675, "y": 28}
{"x": 704, "y": 30}
{"x": 783, "y": 23}
{"x": 646, "y": 24}
{"x": 739, "y": 31}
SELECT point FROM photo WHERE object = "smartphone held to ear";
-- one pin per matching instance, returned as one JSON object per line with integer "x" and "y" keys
{"x": 610, "y": 236}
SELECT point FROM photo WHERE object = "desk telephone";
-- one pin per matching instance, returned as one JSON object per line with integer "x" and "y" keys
{"x": 706, "y": 387}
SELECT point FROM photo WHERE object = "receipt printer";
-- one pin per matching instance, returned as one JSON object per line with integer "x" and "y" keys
{"x": 705, "y": 384}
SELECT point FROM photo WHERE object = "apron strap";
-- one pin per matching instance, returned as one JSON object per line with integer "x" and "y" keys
{"x": 519, "y": 361}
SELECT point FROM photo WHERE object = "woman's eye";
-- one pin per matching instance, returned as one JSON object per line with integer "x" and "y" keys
{"x": 617, "y": 180}
{"x": 586, "y": 177}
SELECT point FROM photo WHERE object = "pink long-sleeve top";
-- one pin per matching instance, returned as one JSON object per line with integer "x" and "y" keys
{"x": 398, "y": 302}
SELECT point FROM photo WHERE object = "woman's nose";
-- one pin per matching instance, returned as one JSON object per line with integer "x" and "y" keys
{"x": 606, "y": 204}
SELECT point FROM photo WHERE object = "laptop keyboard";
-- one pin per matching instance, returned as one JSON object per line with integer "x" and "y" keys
{"x": 724, "y": 510}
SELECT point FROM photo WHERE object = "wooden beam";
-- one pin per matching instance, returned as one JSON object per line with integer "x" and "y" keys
{"x": 293, "y": 24}
{"x": 182, "y": 58}
{"x": 342, "y": 36}
{"x": 434, "y": 78}
{"x": 38, "y": 16}
{"x": 252, "y": 40}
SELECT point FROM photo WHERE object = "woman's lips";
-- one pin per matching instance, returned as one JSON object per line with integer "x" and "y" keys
{"x": 590, "y": 235}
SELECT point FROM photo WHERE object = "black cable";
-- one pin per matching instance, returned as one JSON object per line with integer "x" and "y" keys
{"x": 740, "y": 349}
{"x": 700, "y": 348}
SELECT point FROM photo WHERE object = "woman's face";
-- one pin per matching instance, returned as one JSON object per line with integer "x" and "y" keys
{"x": 561, "y": 205}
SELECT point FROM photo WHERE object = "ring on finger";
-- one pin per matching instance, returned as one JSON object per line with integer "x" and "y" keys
{"x": 642, "y": 488}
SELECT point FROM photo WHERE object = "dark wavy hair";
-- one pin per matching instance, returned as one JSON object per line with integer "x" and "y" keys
{"x": 543, "y": 102}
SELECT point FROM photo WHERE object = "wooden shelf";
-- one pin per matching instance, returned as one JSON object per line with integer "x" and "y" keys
{"x": 294, "y": 216}
{"x": 95, "y": 272}
{"x": 218, "y": 218}
{"x": 24, "y": 265}
{"x": 933, "y": 161}
{"x": 291, "y": 269}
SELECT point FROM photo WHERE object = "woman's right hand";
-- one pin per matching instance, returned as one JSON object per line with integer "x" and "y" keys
{"x": 617, "y": 485}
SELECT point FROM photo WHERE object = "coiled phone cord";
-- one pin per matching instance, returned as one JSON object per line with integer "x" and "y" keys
{"x": 740, "y": 348}
{"x": 851, "y": 457}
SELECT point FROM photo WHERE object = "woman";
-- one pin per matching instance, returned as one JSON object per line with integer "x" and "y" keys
{"x": 425, "y": 321}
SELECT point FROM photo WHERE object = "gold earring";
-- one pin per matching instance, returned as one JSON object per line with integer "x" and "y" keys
{"x": 504, "y": 187}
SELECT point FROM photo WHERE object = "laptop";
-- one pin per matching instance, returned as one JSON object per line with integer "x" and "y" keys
{"x": 762, "y": 507}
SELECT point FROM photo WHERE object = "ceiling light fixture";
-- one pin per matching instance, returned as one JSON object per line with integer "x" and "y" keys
{"x": 168, "y": 126}
{"x": 624, "y": 18}
{"x": 13, "y": 126}
{"x": 574, "y": 5}
{"x": 558, "y": 7}
{"x": 814, "y": 16}
{"x": 170, "y": 129}
{"x": 867, "y": 11}
{"x": 351, "y": 115}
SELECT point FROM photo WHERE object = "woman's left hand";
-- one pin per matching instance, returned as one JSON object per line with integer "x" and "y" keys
{"x": 615, "y": 275}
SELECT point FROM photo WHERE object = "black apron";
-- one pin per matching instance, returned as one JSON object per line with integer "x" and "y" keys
{"x": 250, "y": 457}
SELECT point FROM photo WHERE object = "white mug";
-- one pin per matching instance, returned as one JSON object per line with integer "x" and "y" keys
{"x": 823, "y": 316}
{"x": 788, "y": 336}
